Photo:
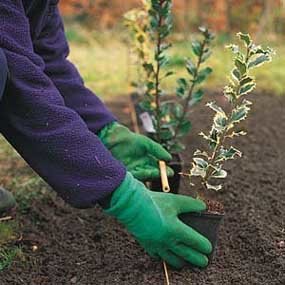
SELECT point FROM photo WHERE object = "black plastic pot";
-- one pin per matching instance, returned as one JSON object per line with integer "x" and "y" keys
{"x": 174, "y": 182}
{"x": 207, "y": 224}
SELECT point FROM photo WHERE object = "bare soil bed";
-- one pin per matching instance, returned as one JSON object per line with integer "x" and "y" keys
{"x": 86, "y": 247}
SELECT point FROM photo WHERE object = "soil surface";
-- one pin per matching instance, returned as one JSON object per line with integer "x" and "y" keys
{"x": 86, "y": 247}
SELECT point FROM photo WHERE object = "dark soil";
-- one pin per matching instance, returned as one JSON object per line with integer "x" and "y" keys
{"x": 87, "y": 247}
{"x": 215, "y": 207}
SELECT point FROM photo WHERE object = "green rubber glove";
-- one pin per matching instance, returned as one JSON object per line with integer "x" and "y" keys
{"x": 152, "y": 218}
{"x": 138, "y": 153}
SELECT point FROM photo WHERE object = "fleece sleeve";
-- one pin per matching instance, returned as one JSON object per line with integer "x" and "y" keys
{"x": 52, "y": 46}
{"x": 51, "y": 137}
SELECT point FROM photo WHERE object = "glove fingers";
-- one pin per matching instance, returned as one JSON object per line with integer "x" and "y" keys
{"x": 149, "y": 173}
{"x": 145, "y": 174}
{"x": 172, "y": 259}
{"x": 190, "y": 255}
{"x": 192, "y": 238}
{"x": 188, "y": 204}
{"x": 169, "y": 171}
{"x": 157, "y": 150}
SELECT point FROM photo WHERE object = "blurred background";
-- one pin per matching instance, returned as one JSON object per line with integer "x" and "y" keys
{"x": 100, "y": 44}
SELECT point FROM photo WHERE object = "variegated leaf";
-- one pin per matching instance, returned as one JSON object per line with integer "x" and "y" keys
{"x": 236, "y": 74}
{"x": 220, "y": 122}
{"x": 245, "y": 38}
{"x": 233, "y": 48}
{"x": 198, "y": 152}
{"x": 247, "y": 89}
{"x": 246, "y": 80}
{"x": 259, "y": 60}
{"x": 200, "y": 162}
{"x": 214, "y": 187}
{"x": 236, "y": 134}
{"x": 241, "y": 66}
{"x": 220, "y": 174}
{"x": 228, "y": 154}
{"x": 197, "y": 171}
{"x": 240, "y": 112}
{"x": 216, "y": 108}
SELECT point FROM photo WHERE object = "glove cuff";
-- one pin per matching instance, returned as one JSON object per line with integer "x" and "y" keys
{"x": 125, "y": 197}
{"x": 104, "y": 133}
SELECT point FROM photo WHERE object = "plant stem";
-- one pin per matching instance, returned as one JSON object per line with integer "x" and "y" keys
{"x": 157, "y": 75}
{"x": 186, "y": 102}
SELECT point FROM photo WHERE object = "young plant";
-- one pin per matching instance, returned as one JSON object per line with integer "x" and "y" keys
{"x": 208, "y": 165}
{"x": 137, "y": 23}
{"x": 169, "y": 116}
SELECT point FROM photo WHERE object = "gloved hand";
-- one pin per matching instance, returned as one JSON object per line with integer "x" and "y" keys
{"x": 138, "y": 153}
{"x": 152, "y": 218}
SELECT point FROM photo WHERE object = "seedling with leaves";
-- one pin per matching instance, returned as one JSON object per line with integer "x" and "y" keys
{"x": 208, "y": 164}
{"x": 170, "y": 116}
{"x": 137, "y": 22}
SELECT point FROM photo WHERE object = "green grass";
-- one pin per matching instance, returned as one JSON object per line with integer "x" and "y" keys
{"x": 8, "y": 252}
{"x": 8, "y": 255}
{"x": 7, "y": 231}
{"x": 26, "y": 186}
{"x": 107, "y": 67}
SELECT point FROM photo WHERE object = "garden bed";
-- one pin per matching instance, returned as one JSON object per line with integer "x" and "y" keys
{"x": 87, "y": 247}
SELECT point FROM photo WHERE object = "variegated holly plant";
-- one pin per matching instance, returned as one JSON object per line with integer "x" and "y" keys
{"x": 208, "y": 165}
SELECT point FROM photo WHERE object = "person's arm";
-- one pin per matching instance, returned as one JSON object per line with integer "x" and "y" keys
{"x": 142, "y": 158}
{"x": 52, "y": 138}
{"x": 52, "y": 46}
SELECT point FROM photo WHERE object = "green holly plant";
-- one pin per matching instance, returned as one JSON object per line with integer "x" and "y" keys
{"x": 208, "y": 165}
{"x": 170, "y": 116}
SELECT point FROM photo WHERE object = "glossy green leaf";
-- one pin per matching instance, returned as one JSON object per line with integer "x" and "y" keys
{"x": 196, "y": 97}
{"x": 203, "y": 74}
{"x": 183, "y": 82}
{"x": 191, "y": 67}
{"x": 148, "y": 68}
{"x": 166, "y": 134}
{"x": 197, "y": 48}
{"x": 206, "y": 56}
{"x": 169, "y": 73}
{"x": 184, "y": 128}
{"x": 178, "y": 110}
{"x": 177, "y": 147}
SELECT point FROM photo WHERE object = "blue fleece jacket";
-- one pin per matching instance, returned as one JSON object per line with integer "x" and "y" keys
{"x": 47, "y": 113}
